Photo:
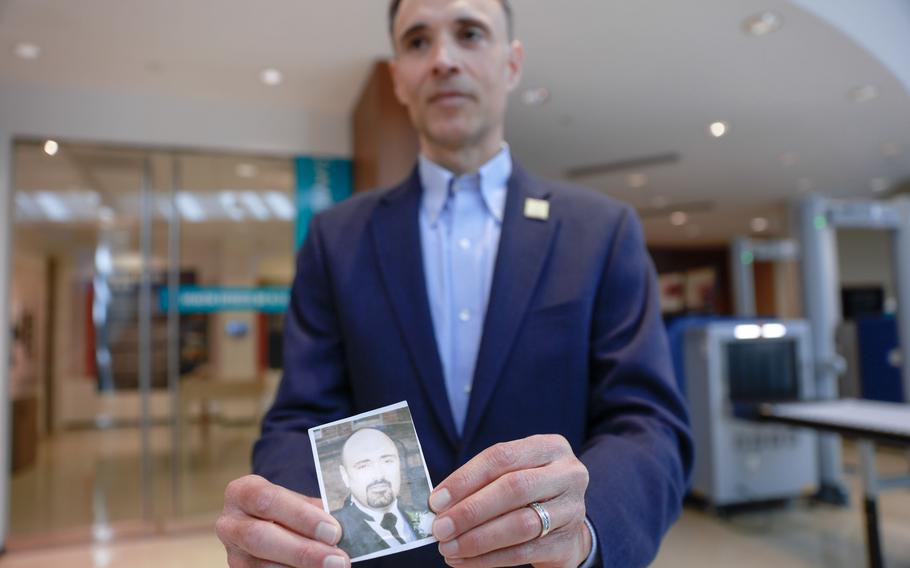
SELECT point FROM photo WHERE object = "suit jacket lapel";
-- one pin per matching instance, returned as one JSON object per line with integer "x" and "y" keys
{"x": 363, "y": 538}
{"x": 396, "y": 234}
{"x": 524, "y": 245}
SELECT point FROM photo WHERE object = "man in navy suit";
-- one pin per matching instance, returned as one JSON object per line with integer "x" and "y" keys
{"x": 518, "y": 317}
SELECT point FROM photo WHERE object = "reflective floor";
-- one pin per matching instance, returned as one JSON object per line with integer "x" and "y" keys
{"x": 200, "y": 550}
{"x": 796, "y": 535}
{"x": 87, "y": 482}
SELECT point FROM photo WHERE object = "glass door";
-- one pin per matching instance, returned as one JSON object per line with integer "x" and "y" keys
{"x": 148, "y": 291}
{"x": 85, "y": 355}
{"x": 236, "y": 264}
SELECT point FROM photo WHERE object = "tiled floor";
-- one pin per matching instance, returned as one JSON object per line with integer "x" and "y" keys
{"x": 797, "y": 535}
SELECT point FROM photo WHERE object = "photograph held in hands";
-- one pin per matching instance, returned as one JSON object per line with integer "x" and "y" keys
{"x": 374, "y": 481}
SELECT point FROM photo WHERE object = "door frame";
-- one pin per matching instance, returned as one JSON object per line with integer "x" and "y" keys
{"x": 6, "y": 236}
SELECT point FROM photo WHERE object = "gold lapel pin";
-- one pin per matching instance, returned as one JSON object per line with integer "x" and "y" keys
{"x": 537, "y": 209}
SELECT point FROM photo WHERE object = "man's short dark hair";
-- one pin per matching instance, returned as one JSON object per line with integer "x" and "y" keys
{"x": 506, "y": 7}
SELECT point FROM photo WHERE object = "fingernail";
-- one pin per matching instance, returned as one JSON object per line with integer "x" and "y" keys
{"x": 443, "y": 528}
{"x": 440, "y": 499}
{"x": 334, "y": 562}
{"x": 449, "y": 548}
{"x": 327, "y": 533}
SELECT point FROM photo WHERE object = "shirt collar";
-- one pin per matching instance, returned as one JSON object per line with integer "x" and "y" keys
{"x": 494, "y": 177}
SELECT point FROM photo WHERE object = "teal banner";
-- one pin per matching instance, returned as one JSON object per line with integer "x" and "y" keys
{"x": 196, "y": 300}
{"x": 321, "y": 183}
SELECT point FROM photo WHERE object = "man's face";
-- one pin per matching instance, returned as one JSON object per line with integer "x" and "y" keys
{"x": 370, "y": 468}
{"x": 454, "y": 68}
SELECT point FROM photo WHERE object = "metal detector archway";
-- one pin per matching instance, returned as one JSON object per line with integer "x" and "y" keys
{"x": 818, "y": 219}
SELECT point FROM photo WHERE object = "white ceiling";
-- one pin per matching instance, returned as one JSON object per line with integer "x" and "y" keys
{"x": 628, "y": 79}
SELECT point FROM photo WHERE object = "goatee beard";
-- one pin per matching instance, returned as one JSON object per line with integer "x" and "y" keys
{"x": 382, "y": 497}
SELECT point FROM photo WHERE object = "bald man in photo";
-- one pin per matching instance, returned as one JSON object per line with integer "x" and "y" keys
{"x": 372, "y": 519}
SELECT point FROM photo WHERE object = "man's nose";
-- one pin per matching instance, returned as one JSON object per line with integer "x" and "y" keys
{"x": 445, "y": 58}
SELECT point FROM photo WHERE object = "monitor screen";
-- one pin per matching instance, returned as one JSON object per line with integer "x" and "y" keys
{"x": 763, "y": 370}
{"x": 862, "y": 301}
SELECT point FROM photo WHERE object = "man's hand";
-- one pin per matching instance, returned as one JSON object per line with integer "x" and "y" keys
{"x": 264, "y": 525}
{"x": 483, "y": 518}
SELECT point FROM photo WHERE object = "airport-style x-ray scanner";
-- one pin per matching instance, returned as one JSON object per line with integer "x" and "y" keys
{"x": 818, "y": 218}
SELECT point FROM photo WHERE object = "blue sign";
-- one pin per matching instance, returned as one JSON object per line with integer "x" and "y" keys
{"x": 321, "y": 183}
{"x": 197, "y": 300}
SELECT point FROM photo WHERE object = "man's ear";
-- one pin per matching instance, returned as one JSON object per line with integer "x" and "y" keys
{"x": 515, "y": 64}
{"x": 344, "y": 477}
{"x": 399, "y": 92}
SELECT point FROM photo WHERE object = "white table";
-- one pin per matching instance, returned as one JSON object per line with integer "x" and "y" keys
{"x": 869, "y": 422}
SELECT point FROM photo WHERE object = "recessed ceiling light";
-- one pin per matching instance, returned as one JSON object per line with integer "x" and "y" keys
{"x": 719, "y": 129}
{"x": 246, "y": 170}
{"x": 805, "y": 185}
{"x": 27, "y": 50}
{"x": 762, "y": 24}
{"x": 879, "y": 184}
{"x": 759, "y": 225}
{"x": 863, "y": 93}
{"x": 271, "y": 77}
{"x": 51, "y": 147}
{"x": 789, "y": 158}
{"x": 535, "y": 97}
{"x": 891, "y": 150}
{"x": 637, "y": 180}
{"x": 678, "y": 218}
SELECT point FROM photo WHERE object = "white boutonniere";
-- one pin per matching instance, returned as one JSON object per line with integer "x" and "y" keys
{"x": 421, "y": 522}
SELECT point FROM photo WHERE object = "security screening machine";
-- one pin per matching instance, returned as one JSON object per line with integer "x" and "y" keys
{"x": 819, "y": 217}
{"x": 732, "y": 366}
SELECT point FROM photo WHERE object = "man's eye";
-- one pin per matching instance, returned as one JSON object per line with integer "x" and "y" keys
{"x": 417, "y": 43}
{"x": 472, "y": 34}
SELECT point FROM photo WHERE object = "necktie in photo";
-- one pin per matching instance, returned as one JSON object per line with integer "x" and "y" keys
{"x": 388, "y": 523}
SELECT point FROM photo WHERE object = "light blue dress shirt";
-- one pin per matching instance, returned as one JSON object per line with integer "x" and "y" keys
{"x": 460, "y": 225}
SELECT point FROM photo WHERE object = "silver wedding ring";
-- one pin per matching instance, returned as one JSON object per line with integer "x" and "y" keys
{"x": 544, "y": 518}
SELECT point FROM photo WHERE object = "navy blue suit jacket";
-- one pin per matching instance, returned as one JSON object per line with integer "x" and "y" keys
{"x": 573, "y": 344}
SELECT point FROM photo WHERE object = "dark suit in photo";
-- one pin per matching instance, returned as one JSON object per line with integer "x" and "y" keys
{"x": 359, "y": 539}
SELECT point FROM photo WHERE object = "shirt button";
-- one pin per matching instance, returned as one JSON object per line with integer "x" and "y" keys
{"x": 467, "y": 389}
{"x": 465, "y": 244}
{"x": 464, "y": 315}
